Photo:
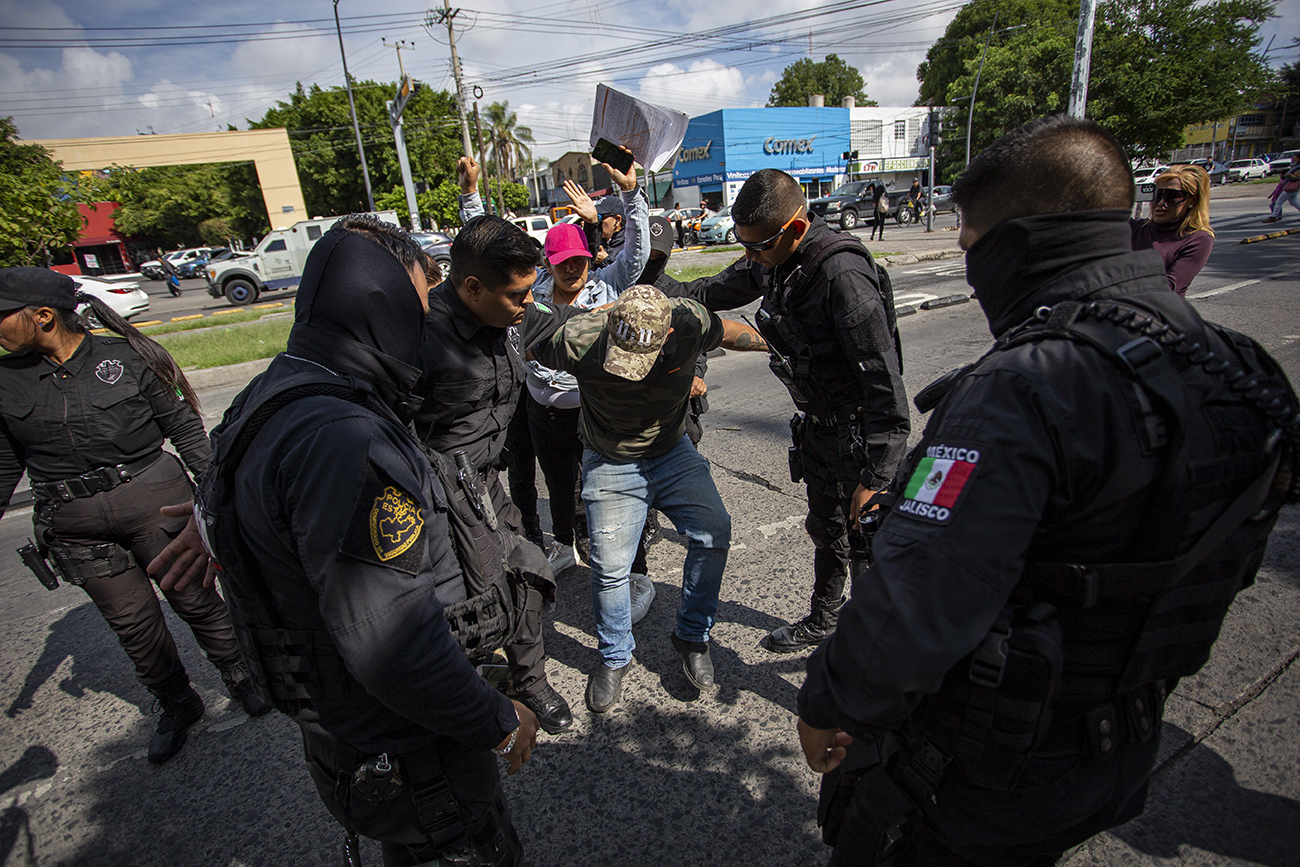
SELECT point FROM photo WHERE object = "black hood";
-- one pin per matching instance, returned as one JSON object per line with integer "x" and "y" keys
{"x": 358, "y": 314}
{"x": 1023, "y": 263}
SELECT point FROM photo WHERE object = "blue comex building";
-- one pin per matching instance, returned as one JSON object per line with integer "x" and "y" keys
{"x": 724, "y": 147}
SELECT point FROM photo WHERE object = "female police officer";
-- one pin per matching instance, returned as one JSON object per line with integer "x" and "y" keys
{"x": 86, "y": 417}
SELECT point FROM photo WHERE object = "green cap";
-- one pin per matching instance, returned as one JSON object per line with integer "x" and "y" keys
{"x": 638, "y": 325}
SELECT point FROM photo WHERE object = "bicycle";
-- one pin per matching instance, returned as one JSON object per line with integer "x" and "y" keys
{"x": 910, "y": 211}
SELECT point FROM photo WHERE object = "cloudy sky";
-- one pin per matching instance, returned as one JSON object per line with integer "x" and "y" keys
{"x": 118, "y": 67}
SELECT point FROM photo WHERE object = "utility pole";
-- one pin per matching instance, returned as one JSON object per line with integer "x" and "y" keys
{"x": 347, "y": 80}
{"x": 445, "y": 17}
{"x": 482, "y": 159}
{"x": 933, "y": 136}
{"x": 970, "y": 115}
{"x": 1082, "y": 58}
{"x": 406, "y": 89}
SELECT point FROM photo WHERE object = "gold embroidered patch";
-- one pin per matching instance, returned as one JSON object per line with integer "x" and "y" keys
{"x": 395, "y": 523}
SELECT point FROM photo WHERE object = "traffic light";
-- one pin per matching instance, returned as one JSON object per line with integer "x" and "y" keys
{"x": 849, "y": 156}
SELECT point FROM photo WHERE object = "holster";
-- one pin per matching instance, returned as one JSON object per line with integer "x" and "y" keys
{"x": 795, "y": 451}
{"x": 79, "y": 563}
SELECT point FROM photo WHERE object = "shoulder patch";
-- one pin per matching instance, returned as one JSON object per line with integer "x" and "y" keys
{"x": 542, "y": 307}
{"x": 387, "y": 527}
{"x": 109, "y": 370}
{"x": 936, "y": 484}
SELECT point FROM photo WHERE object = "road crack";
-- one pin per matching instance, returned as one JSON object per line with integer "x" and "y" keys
{"x": 755, "y": 479}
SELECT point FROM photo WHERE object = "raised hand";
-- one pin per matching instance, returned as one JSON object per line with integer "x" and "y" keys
{"x": 582, "y": 202}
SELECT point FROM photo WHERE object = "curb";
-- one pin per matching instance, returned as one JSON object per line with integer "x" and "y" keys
{"x": 230, "y": 374}
{"x": 912, "y": 258}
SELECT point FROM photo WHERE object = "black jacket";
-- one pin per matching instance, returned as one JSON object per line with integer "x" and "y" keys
{"x": 473, "y": 374}
{"x": 102, "y": 407}
{"x": 841, "y": 307}
{"x": 347, "y": 521}
{"x": 1050, "y": 463}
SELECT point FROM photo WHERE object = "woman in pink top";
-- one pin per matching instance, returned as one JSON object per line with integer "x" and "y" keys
{"x": 1179, "y": 227}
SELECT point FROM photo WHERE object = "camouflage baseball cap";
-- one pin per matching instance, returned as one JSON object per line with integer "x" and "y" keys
{"x": 638, "y": 325}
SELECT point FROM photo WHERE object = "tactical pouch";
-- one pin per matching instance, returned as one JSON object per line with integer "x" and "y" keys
{"x": 838, "y": 786}
{"x": 79, "y": 563}
{"x": 995, "y": 707}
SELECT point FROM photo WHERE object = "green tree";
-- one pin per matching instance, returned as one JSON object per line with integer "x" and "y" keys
{"x": 171, "y": 206}
{"x": 508, "y": 142}
{"x": 37, "y": 211}
{"x": 515, "y": 195}
{"x": 832, "y": 78}
{"x": 441, "y": 204}
{"x": 1157, "y": 67}
{"x": 325, "y": 148}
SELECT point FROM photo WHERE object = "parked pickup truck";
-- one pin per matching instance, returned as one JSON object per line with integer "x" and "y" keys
{"x": 276, "y": 263}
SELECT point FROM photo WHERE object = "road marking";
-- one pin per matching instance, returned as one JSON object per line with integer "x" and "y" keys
{"x": 187, "y": 318}
{"x": 267, "y": 306}
{"x": 226, "y": 312}
{"x": 790, "y": 523}
{"x": 902, "y": 299}
{"x": 146, "y": 324}
{"x": 1232, "y": 287}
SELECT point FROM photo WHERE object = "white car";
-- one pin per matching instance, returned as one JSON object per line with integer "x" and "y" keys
{"x": 153, "y": 268}
{"x": 1244, "y": 170}
{"x": 1281, "y": 163}
{"x": 126, "y": 299}
{"x": 1144, "y": 180}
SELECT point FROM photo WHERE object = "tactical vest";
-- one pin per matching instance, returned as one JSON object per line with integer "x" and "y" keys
{"x": 1117, "y": 660}
{"x": 296, "y": 667}
{"x": 815, "y": 373}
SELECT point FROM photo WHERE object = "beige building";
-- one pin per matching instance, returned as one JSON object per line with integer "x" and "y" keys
{"x": 267, "y": 149}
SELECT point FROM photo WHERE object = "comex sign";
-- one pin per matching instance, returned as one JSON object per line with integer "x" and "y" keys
{"x": 690, "y": 154}
{"x": 788, "y": 146}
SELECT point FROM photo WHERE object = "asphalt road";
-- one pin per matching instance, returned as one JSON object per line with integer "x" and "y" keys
{"x": 670, "y": 777}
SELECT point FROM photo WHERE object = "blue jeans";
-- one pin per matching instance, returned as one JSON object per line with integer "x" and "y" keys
{"x": 618, "y": 495}
{"x": 1284, "y": 198}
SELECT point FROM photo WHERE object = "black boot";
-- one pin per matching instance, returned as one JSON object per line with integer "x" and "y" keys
{"x": 808, "y": 632}
{"x": 181, "y": 708}
{"x": 240, "y": 685}
{"x": 651, "y": 532}
{"x": 533, "y": 531}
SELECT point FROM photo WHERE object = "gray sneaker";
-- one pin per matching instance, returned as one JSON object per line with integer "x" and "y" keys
{"x": 643, "y": 593}
{"x": 561, "y": 557}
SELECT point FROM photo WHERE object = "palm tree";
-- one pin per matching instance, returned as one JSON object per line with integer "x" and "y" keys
{"x": 509, "y": 141}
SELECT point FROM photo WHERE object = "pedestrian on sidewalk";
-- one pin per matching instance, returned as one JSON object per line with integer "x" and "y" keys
{"x": 86, "y": 416}
{"x": 879, "y": 207}
{"x": 1288, "y": 190}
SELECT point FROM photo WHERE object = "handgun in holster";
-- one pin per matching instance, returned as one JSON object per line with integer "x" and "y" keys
{"x": 34, "y": 559}
{"x": 795, "y": 452}
{"x": 472, "y": 484}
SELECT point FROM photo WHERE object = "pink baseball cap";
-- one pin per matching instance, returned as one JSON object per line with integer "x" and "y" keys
{"x": 564, "y": 241}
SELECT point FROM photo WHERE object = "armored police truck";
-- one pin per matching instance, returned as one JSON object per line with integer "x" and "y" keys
{"x": 276, "y": 263}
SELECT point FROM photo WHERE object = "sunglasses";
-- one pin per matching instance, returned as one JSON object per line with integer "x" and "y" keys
{"x": 763, "y": 246}
{"x": 1170, "y": 195}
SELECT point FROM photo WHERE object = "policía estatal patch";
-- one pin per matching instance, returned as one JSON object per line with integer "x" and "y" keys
{"x": 387, "y": 527}
{"x": 936, "y": 484}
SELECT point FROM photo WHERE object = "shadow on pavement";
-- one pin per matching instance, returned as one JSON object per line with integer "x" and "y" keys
{"x": 79, "y": 636}
{"x": 1244, "y": 824}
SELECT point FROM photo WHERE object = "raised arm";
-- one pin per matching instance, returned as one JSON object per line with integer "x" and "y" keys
{"x": 471, "y": 204}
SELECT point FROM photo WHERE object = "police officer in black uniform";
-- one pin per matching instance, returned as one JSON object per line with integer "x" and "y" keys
{"x": 86, "y": 415}
{"x": 478, "y": 326}
{"x": 1060, "y": 547}
{"x": 332, "y": 532}
{"x": 830, "y": 329}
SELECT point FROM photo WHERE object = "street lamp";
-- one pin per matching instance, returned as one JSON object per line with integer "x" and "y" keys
{"x": 347, "y": 80}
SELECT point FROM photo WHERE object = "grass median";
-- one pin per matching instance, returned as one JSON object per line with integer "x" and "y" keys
{"x": 228, "y": 344}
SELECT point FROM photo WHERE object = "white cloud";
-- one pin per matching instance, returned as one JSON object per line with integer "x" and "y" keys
{"x": 703, "y": 86}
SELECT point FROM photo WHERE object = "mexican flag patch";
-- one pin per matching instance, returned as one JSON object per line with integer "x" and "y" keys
{"x": 938, "y": 481}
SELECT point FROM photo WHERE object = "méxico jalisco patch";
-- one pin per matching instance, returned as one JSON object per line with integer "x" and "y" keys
{"x": 937, "y": 482}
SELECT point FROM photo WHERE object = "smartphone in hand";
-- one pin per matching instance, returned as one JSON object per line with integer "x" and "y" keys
{"x": 606, "y": 151}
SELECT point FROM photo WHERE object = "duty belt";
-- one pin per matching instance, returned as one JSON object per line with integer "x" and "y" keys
{"x": 91, "y": 483}
{"x": 834, "y": 420}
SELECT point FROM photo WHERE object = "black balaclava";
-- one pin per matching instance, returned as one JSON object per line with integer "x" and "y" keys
{"x": 357, "y": 313}
{"x": 1010, "y": 263}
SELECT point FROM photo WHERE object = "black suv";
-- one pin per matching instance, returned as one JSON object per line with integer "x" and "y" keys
{"x": 849, "y": 204}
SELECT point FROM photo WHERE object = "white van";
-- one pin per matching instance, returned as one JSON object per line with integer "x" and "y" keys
{"x": 275, "y": 263}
